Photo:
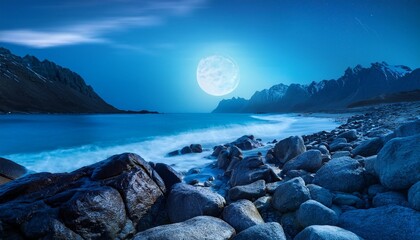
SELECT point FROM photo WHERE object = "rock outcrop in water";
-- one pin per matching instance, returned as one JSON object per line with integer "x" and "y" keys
{"x": 347, "y": 196}
{"x": 358, "y": 86}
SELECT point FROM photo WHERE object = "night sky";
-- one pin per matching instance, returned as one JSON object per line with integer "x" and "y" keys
{"x": 144, "y": 54}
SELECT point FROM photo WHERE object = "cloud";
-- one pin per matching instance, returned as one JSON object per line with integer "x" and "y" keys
{"x": 131, "y": 14}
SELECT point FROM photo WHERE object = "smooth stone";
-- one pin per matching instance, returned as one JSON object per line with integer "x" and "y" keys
{"x": 414, "y": 196}
{"x": 241, "y": 215}
{"x": 289, "y": 195}
{"x": 201, "y": 227}
{"x": 185, "y": 150}
{"x": 339, "y": 154}
{"x": 320, "y": 194}
{"x": 350, "y": 135}
{"x": 408, "y": 129}
{"x": 250, "y": 191}
{"x": 369, "y": 163}
{"x": 288, "y": 148}
{"x": 398, "y": 163}
{"x": 389, "y": 198}
{"x": 196, "y": 148}
{"x": 10, "y": 170}
{"x": 385, "y": 223}
{"x": 246, "y": 142}
{"x": 186, "y": 201}
{"x": 264, "y": 231}
{"x": 314, "y": 213}
{"x": 309, "y": 161}
{"x": 375, "y": 189}
{"x": 341, "y": 174}
{"x": 290, "y": 224}
{"x": 251, "y": 169}
{"x": 266, "y": 210}
{"x": 325, "y": 232}
{"x": 271, "y": 187}
{"x": 348, "y": 199}
{"x": 369, "y": 147}
{"x": 168, "y": 175}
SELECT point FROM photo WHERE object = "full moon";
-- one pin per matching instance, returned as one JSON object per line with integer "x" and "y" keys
{"x": 217, "y": 75}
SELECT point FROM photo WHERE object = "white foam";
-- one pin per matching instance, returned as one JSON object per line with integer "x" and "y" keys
{"x": 155, "y": 150}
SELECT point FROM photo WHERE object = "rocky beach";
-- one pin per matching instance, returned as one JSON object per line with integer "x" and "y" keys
{"x": 358, "y": 181}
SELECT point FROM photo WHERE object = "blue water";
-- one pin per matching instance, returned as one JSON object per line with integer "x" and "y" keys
{"x": 58, "y": 143}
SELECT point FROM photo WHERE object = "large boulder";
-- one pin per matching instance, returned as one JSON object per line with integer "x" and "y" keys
{"x": 246, "y": 142}
{"x": 341, "y": 174}
{"x": 186, "y": 201}
{"x": 350, "y": 135}
{"x": 168, "y": 174}
{"x": 389, "y": 198}
{"x": 289, "y": 195}
{"x": 265, "y": 231}
{"x": 309, "y": 161}
{"x": 325, "y": 232}
{"x": 242, "y": 215}
{"x": 107, "y": 200}
{"x": 201, "y": 227}
{"x": 369, "y": 147}
{"x": 386, "y": 223}
{"x": 408, "y": 129}
{"x": 314, "y": 213}
{"x": 288, "y": 148}
{"x": 251, "y": 169}
{"x": 398, "y": 163}
{"x": 414, "y": 196}
{"x": 251, "y": 191}
{"x": 10, "y": 170}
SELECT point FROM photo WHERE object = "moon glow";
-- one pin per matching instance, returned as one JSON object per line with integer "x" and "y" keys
{"x": 217, "y": 75}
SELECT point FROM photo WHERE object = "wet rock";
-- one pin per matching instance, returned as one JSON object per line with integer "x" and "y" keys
{"x": 217, "y": 150}
{"x": 288, "y": 148}
{"x": 271, "y": 187}
{"x": 290, "y": 224}
{"x": 320, "y": 194}
{"x": 242, "y": 215}
{"x": 398, "y": 163}
{"x": 266, "y": 210}
{"x": 196, "y": 148}
{"x": 414, "y": 196}
{"x": 347, "y": 199}
{"x": 369, "y": 147}
{"x": 325, "y": 232}
{"x": 350, "y": 135}
{"x": 10, "y": 170}
{"x": 309, "y": 161}
{"x": 339, "y": 154}
{"x": 289, "y": 195}
{"x": 387, "y": 222}
{"x": 250, "y": 191}
{"x": 341, "y": 174}
{"x": 251, "y": 169}
{"x": 265, "y": 231}
{"x": 201, "y": 227}
{"x": 408, "y": 129}
{"x": 246, "y": 142}
{"x": 186, "y": 150}
{"x": 168, "y": 175}
{"x": 186, "y": 201}
{"x": 314, "y": 213}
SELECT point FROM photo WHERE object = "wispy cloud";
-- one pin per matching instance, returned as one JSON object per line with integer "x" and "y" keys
{"x": 128, "y": 14}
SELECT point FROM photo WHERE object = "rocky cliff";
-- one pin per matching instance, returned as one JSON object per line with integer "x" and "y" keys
{"x": 357, "y": 84}
{"x": 30, "y": 85}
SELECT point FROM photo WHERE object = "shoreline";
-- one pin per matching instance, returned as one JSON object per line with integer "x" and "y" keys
{"x": 327, "y": 182}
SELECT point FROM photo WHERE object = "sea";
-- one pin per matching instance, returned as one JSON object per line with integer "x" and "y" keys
{"x": 63, "y": 143}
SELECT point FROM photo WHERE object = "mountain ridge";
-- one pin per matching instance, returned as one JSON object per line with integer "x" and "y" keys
{"x": 355, "y": 85}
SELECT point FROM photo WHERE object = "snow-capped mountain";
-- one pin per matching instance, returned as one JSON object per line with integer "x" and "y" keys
{"x": 30, "y": 85}
{"x": 355, "y": 85}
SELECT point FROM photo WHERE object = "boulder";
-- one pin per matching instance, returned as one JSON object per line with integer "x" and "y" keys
{"x": 398, "y": 163}
{"x": 266, "y": 210}
{"x": 325, "y": 232}
{"x": 242, "y": 215}
{"x": 408, "y": 129}
{"x": 186, "y": 201}
{"x": 414, "y": 196}
{"x": 201, "y": 227}
{"x": 196, "y": 148}
{"x": 309, "y": 161}
{"x": 350, "y": 135}
{"x": 314, "y": 213}
{"x": 369, "y": 147}
{"x": 320, "y": 194}
{"x": 289, "y": 195}
{"x": 250, "y": 191}
{"x": 265, "y": 231}
{"x": 389, "y": 198}
{"x": 271, "y": 187}
{"x": 251, "y": 169}
{"x": 341, "y": 174}
{"x": 339, "y": 154}
{"x": 246, "y": 142}
{"x": 288, "y": 148}
{"x": 290, "y": 224}
{"x": 186, "y": 150}
{"x": 168, "y": 175}
{"x": 10, "y": 170}
{"x": 80, "y": 204}
{"x": 386, "y": 223}
{"x": 347, "y": 199}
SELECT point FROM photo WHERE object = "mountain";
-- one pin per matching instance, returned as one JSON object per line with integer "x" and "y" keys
{"x": 33, "y": 86}
{"x": 357, "y": 84}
